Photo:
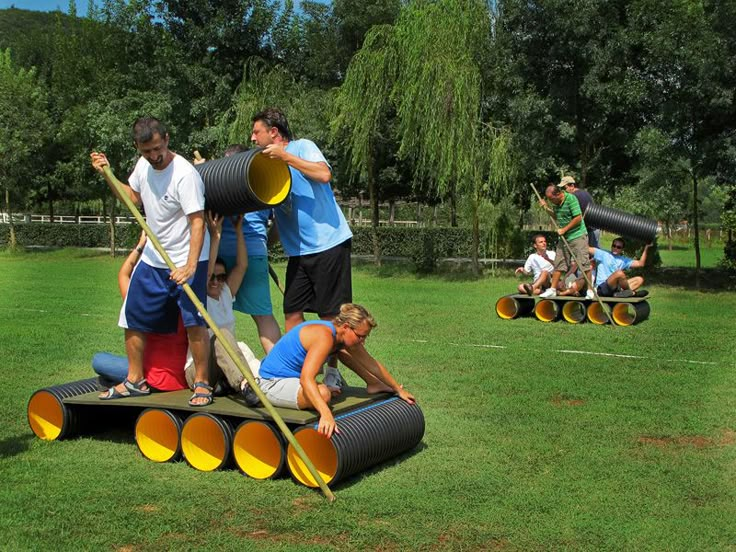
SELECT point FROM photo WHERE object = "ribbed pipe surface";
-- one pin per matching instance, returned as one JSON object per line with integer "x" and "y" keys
{"x": 547, "y": 310}
{"x": 620, "y": 222}
{"x": 259, "y": 449}
{"x": 627, "y": 314}
{"x": 508, "y": 307}
{"x": 158, "y": 433}
{"x": 574, "y": 312}
{"x": 50, "y": 418}
{"x": 244, "y": 182}
{"x": 368, "y": 436}
{"x": 206, "y": 441}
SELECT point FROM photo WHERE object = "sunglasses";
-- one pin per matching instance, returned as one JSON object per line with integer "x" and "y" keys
{"x": 361, "y": 337}
{"x": 222, "y": 277}
{"x": 617, "y": 246}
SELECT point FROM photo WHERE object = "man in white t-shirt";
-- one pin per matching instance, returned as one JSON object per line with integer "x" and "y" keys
{"x": 172, "y": 194}
{"x": 540, "y": 265}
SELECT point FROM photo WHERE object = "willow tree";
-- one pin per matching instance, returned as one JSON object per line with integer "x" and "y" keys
{"x": 439, "y": 101}
{"x": 362, "y": 107}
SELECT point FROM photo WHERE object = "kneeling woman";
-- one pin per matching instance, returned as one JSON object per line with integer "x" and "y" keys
{"x": 288, "y": 375}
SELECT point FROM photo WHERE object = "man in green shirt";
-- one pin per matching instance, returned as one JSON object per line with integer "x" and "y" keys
{"x": 566, "y": 209}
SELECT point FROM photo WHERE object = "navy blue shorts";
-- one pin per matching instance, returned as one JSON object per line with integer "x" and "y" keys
{"x": 154, "y": 301}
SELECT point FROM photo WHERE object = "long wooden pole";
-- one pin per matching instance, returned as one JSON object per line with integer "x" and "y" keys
{"x": 572, "y": 255}
{"x": 221, "y": 338}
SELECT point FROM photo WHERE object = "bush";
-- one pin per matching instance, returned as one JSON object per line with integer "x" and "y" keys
{"x": 70, "y": 235}
{"x": 423, "y": 246}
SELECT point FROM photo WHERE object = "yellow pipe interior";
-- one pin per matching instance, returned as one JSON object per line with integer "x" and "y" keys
{"x": 623, "y": 314}
{"x": 204, "y": 443}
{"x": 269, "y": 179}
{"x": 596, "y": 314}
{"x": 573, "y": 312}
{"x": 507, "y": 308}
{"x": 320, "y": 451}
{"x": 46, "y": 416}
{"x": 257, "y": 450}
{"x": 546, "y": 310}
{"x": 157, "y": 435}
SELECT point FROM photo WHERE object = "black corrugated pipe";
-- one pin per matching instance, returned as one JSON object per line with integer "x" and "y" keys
{"x": 620, "y": 222}
{"x": 244, "y": 182}
{"x": 50, "y": 418}
{"x": 368, "y": 436}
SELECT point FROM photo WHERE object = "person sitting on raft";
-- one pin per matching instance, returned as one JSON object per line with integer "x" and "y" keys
{"x": 288, "y": 373}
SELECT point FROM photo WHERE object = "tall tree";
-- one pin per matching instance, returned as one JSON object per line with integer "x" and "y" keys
{"x": 362, "y": 110}
{"x": 690, "y": 72}
{"x": 24, "y": 128}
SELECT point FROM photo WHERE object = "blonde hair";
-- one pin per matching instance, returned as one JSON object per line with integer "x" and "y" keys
{"x": 354, "y": 315}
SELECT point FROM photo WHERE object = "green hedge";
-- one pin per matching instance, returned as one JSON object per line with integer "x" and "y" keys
{"x": 423, "y": 246}
{"x": 70, "y": 235}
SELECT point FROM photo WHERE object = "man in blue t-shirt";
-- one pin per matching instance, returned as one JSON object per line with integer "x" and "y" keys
{"x": 312, "y": 228}
{"x": 610, "y": 279}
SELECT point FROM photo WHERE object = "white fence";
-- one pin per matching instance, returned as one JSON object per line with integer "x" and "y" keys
{"x": 21, "y": 218}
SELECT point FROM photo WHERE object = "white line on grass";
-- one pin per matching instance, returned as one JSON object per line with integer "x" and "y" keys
{"x": 617, "y": 355}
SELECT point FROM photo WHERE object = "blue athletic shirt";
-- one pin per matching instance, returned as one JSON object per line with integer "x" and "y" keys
{"x": 255, "y": 231}
{"x": 608, "y": 263}
{"x": 310, "y": 221}
{"x": 286, "y": 359}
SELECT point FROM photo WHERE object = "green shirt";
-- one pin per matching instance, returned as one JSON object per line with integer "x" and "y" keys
{"x": 568, "y": 210}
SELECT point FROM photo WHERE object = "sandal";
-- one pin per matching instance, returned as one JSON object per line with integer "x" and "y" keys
{"x": 529, "y": 290}
{"x": 131, "y": 390}
{"x": 196, "y": 395}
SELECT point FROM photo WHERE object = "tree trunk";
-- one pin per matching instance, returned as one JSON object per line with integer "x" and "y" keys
{"x": 13, "y": 242}
{"x": 373, "y": 195}
{"x": 453, "y": 206}
{"x": 476, "y": 234}
{"x": 696, "y": 228}
{"x": 391, "y": 211}
{"x": 112, "y": 227}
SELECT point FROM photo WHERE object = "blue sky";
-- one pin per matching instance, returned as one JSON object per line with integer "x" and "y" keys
{"x": 44, "y": 5}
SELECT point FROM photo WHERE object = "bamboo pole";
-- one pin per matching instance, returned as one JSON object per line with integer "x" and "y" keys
{"x": 218, "y": 334}
{"x": 572, "y": 255}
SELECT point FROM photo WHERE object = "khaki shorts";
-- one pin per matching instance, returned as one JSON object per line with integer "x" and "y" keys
{"x": 579, "y": 247}
{"x": 281, "y": 391}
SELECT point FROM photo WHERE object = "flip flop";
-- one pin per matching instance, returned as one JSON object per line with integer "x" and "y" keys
{"x": 529, "y": 290}
{"x": 196, "y": 395}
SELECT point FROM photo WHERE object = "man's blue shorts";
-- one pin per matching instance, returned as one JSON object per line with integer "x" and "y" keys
{"x": 154, "y": 301}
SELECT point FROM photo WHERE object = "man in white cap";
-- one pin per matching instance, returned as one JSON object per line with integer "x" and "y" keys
{"x": 584, "y": 198}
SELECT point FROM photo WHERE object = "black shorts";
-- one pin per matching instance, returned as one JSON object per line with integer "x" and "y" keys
{"x": 320, "y": 282}
{"x": 604, "y": 290}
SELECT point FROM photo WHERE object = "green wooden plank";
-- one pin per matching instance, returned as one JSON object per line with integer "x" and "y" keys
{"x": 573, "y": 298}
{"x": 349, "y": 399}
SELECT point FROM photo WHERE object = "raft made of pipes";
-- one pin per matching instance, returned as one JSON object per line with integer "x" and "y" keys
{"x": 575, "y": 310}
{"x": 373, "y": 429}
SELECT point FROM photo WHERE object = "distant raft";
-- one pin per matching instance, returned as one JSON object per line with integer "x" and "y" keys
{"x": 575, "y": 310}
{"x": 373, "y": 429}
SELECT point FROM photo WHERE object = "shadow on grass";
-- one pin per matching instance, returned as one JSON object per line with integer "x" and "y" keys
{"x": 711, "y": 279}
{"x": 18, "y": 444}
{"x": 358, "y": 477}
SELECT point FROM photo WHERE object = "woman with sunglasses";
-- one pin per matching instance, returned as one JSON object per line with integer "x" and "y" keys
{"x": 288, "y": 374}
{"x": 222, "y": 287}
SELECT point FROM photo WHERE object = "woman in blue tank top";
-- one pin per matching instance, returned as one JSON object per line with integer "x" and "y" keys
{"x": 288, "y": 374}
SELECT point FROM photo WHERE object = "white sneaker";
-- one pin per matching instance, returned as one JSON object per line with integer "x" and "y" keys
{"x": 333, "y": 378}
{"x": 590, "y": 294}
{"x": 549, "y": 292}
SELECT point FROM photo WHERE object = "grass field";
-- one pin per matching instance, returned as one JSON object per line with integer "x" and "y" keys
{"x": 539, "y": 436}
